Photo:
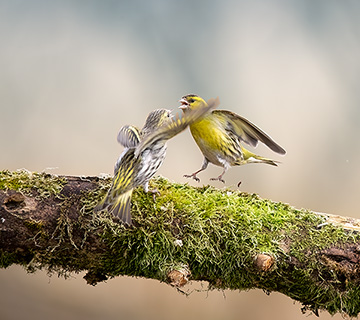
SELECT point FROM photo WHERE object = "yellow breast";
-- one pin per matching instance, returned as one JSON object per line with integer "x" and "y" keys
{"x": 207, "y": 132}
{"x": 214, "y": 141}
{"x": 210, "y": 136}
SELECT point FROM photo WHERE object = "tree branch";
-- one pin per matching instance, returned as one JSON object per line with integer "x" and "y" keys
{"x": 231, "y": 239}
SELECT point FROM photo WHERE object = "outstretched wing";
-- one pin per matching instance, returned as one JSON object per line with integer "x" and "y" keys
{"x": 129, "y": 136}
{"x": 174, "y": 127}
{"x": 247, "y": 131}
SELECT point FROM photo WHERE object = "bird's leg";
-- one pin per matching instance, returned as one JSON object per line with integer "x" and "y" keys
{"x": 204, "y": 166}
{"x": 193, "y": 175}
{"x": 220, "y": 177}
{"x": 154, "y": 192}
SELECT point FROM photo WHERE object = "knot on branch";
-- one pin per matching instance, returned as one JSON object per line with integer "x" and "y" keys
{"x": 263, "y": 262}
{"x": 14, "y": 200}
{"x": 179, "y": 278}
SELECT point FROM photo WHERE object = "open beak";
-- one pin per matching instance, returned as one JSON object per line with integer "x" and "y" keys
{"x": 184, "y": 104}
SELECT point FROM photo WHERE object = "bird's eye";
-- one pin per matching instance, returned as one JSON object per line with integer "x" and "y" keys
{"x": 192, "y": 100}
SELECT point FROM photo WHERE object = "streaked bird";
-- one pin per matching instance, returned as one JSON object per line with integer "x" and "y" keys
{"x": 220, "y": 135}
{"x": 143, "y": 155}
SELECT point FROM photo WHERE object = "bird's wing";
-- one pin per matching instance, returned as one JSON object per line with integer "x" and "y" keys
{"x": 171, "y": 129}
{"x": 247, "y": 131}
{"x": 129, "y": 136}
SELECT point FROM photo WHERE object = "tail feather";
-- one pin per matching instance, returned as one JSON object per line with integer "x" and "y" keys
{"x": 119, "y": 207}
{"x": 258, "y": 159}
{"x": 249, "y": 157}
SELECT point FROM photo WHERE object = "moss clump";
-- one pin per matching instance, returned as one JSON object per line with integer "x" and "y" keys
{"x": 7, "y": 259}
{"x": 26, "y": 182}
{"x": 33, "y": 225}
{"x": 18, "y": 257}
{"x": 218, "y": 233}
{"x": 92, "y": 197}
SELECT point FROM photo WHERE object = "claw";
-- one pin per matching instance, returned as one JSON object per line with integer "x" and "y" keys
{"x": 219, "y": 178}
{"x": 192, "y": 176}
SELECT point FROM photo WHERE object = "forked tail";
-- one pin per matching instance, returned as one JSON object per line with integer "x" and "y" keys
{"x": 119, "y": 206}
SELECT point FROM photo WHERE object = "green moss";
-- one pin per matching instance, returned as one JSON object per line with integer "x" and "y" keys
{"x": 91, "y": 198}
{"x": 20, "y": 257}
{"x": 221, "y": 232}
{"x": 216, "y": 234}
{"x": 26, "y": 182}
{"x": 7, "y": 259}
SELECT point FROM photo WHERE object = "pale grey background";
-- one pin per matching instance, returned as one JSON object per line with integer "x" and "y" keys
{"x": 73, "y": 72}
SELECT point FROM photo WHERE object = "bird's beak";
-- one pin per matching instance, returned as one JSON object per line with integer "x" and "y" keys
{"x": 184, "y": 104}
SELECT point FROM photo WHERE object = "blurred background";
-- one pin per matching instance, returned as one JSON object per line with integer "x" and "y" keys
{"x": 73, "y": 72}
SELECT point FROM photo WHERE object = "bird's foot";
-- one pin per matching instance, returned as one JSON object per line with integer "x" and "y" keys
{"x": 239, "y": 184}
{"x": 192, "y": 176}
{"x": 219, "y": 178}
{"x": 154, "y": 193}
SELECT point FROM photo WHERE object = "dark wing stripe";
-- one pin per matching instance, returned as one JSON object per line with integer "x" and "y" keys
{"x": 250, "y": 133}
{"x": 129, "y": 136}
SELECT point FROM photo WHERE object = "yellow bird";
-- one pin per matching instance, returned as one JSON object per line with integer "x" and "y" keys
{"x": 220, "y": 134}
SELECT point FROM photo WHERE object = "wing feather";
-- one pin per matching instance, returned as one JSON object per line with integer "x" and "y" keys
{"x": 247, "y": 131}
{"x": 129, "y": 136}
{"x": 169, "y": 130}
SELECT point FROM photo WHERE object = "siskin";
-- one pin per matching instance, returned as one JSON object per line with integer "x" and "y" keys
{"x": 143, "y": 155}
{"x": 220, "y": 135}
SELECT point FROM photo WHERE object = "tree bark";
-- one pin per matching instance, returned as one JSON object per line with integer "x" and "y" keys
{"x": 231, "y": 239}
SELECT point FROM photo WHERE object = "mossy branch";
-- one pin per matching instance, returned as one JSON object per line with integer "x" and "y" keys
{"x": 231, "y": 239}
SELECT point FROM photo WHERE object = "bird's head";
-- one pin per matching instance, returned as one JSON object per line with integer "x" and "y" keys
{"x": 191, "y": 102}
{"x": 156, "y": 119}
